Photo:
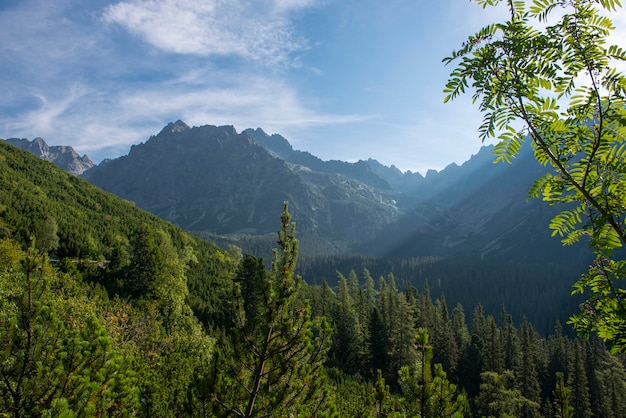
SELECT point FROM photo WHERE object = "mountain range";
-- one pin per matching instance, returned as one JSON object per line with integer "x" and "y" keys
{"x": 229, "y": 185}
{"x": 62, "y": 156}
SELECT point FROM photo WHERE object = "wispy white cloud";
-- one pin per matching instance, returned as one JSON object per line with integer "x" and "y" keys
{"x": 105, "y": 123}
{"x": 287, "y": 5}
{"x": 212, "y": 27}
{"x": 45, "y": 116}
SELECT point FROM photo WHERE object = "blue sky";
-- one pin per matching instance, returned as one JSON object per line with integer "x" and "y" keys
{"x": 342, "y": 79}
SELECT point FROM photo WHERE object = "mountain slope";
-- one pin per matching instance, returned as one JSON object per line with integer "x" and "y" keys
{"x": 281, "y": 148}
{"x": 480, "y": 211}
{"x": 97, "y": 226}
{"x": 214, "y": 179}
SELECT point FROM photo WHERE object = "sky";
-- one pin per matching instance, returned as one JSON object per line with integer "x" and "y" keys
{"x": 342, "y": 79}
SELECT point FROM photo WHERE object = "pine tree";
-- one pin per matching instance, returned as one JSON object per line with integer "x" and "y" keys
{"x": 499, "y": 397}
{"x": 364, "y": 302}
{"x": 401, "y": 329}
{"x": 353, "y": 284}
{"x": 470, "y": 367}
{"x": 578, "y": 383}
{"x": 370, "y": 290}
{"x": 276, "y": 364}
{"x": 378, "y": 343}
{"x": 557, "y": 362}
{"x": 526, "y": 373}
{"x": 562, "y": 398}
{"x": 607, "y": 381}
{"x": 55, "y": 352}
{"x": 493, "y": 354}
{"x": 442, "y": 335}
{"x": 145, "y": 265}
{"x": 427, "y": 311}
{"x": 251, "y": 276}
{"x": 399, "y": 322}
{"x": 460, "y": 335}
{"x": 510, "y": 342}
{"x": 328, "y": 298}
{"x": 479, "y": 322}
{"x": 382, "y": 396}
{"x": 427, "y": 396}
{"x": 347, "y": 339}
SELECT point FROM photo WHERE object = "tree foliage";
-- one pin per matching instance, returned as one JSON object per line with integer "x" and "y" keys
{"x": 274, "y": 363}
{"x": 547, "y": 74}
{"x": 425, "y": 394}
{"x": 55, "y": 349}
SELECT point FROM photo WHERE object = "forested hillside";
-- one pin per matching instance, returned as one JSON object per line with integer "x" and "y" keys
{"x": 538, "y": 292}
{"x": 107, "y": 310}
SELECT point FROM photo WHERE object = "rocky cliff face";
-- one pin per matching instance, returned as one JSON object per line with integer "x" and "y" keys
{"x": 62, "y": 156}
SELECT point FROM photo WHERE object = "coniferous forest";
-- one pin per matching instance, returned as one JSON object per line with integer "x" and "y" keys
{"x": 108, "y": 311}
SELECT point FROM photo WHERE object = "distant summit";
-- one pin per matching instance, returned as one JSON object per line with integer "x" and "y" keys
{"x": 62, "y": 156}
{"x": 177, "y": 127}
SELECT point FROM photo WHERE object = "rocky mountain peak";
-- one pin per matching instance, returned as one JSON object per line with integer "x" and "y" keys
{"x": 178, "y": 126}
{"x": 274, "y": 143}
{"x": 62, "y": 156}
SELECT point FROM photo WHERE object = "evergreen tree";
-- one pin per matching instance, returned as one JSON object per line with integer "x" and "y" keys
{"x": 370, "y": 290}
{"x": 511, "y": 342}
{"x": 55, "y": 352}
{"x": 401, "y": 334}
{"x": 578, "y": 383}
{"x": 277, "y": 364}
{"x": 179, "y": 348}
{"x": 493, "y": 354}
{"x": 347, "y": 344}
{"x": 427, "y": 311}
{"x": 442, "y": 335}
{"x": 353, "y": 284}
{"x": 328, "y": 300}
{"x": 562, "y": 398}
{"x": 378, "y": 343}
{"x": 460, "y": 335}
{"x": 607, "y": 381}
{"x": 382, "y": 396}
{"x": 400, "y": 326}
{"x": 470, "y": 367}
{"x": 364, "y": 302}
{"x": 146, "y": 263}
{"x": 558, "y": 354}
{"x": 479, "y": 322}
{"x": 250, "y": 278}
{"x": 427, "y": 396}
{"x": 526, "y": 373}
{"x": 499, "y": 397}
{"x": 168, "y": 290}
